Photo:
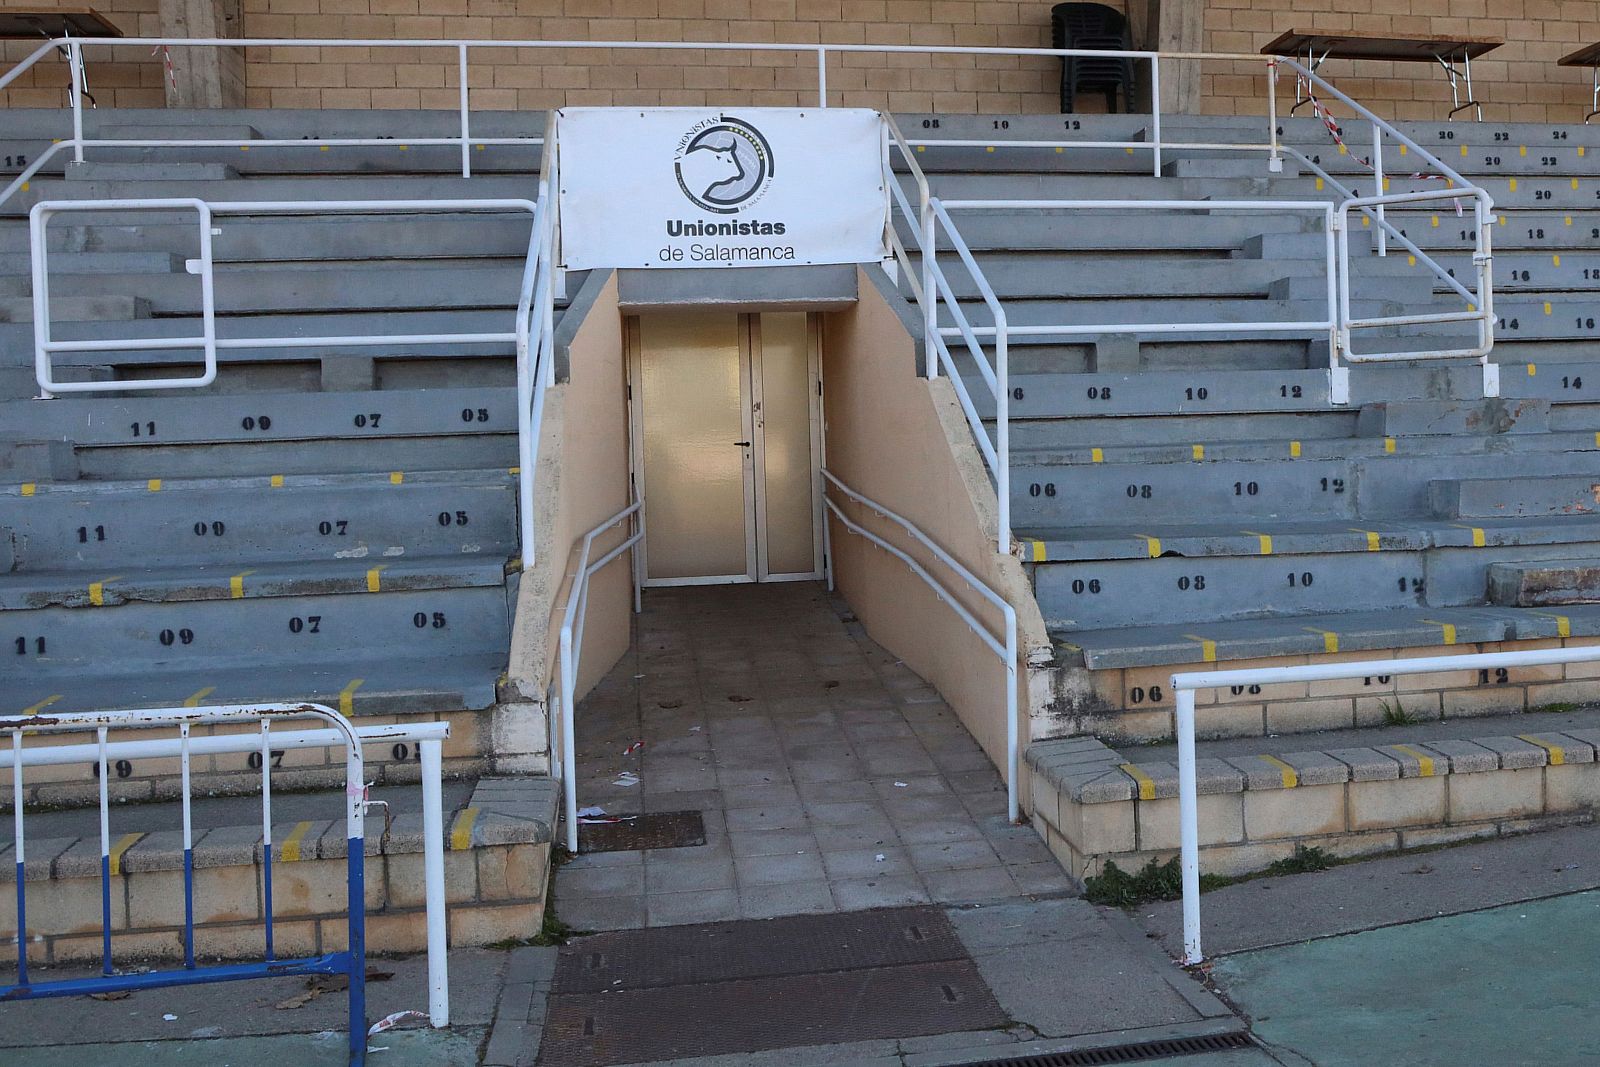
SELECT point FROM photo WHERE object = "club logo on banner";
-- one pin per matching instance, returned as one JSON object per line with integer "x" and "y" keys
{"x": 685, "y": 187}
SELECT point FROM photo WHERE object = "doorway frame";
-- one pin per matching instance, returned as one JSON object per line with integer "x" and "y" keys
{"x": 756, "y": 566}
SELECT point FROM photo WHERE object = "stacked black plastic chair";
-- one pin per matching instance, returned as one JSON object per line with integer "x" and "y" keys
{"x": 1093, "y": 26}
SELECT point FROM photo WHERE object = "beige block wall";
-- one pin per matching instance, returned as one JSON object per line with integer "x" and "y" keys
{"x": 124, "y": 76}
{"x": 900, "y": 440}
{"x": 1518, "y": 81}
{"x": 582, "y": 480}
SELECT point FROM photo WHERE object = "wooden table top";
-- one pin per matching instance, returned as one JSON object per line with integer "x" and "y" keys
{"x": 1371, "y": 46}
{"x": 55, "y": 22}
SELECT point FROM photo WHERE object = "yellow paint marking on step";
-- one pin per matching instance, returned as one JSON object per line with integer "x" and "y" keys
{"x": 1533, "y": 368}
{"x": 1319, "y": 180}
{"x": 236, "y": 584}
{"x": 1389, "y": 445}
{"x": 154, "y": 485}
{"x": 1434, "y": 221}
{"x": 322, "y": 148}
{"x": 277, "y": 481}
{"x": 1513, "y": 185}
{"x": 988, "y": 148}
{"x": 1597, "y": 439}
{"x": 1547, "y": 307}
{"x": 514, "y": 471}
{"x": 1059, "y": 151}
{"x": 1557, "y": 754}
{"x": 1478, "y": 539}
{"x": 922, "y": 148}
{"x": 1038, "y": 552}
{"x": 1556, "y": 260}
{"x": 1411, "y": 261}
{"x": 29, "y": 488}
{"x": 1463, "y": 151}
{"x": 1424, "y": 761}
{"x": 1198, "y": 452}
{"x": 347, "y": 696}
{"x": 1503, "y": 219}
{"x": 1147, "y": 784}
{"x": 1366, "y": 220}
{"x": 1294, "y": 449}
{"x": 397, "y": 477}
{"x": 45, "y": 703}
{"x": 290, "y": 850}
{"x": 1152, "y": 545}
{"x": 97, "y": 591}
{"x": 1097, "y": 455}
{"x": 1330, "y": 640}
{"x": 374, "y": 581}
{"x": 1447, "y": 630}
{"x": 124, "y": 843}
{"x": 1208, "y": 648}
{"x": 1402, "y": 150}
{"x": 1566, "y": 220}
{"x": 1522, "y": 151}
{"x": 1291, "y": 777}
{"x": 194, "y": 699}
{"x": 1563, "y": 624}
{"x": 1344, "y": 150}
{"x": 1372, "y": 538}
{"x": 1265, "y": 541}
{"x": 461, "y": 830}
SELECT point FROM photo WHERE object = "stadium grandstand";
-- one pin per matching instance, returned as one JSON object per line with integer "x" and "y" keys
{"x": 727, "y": 531}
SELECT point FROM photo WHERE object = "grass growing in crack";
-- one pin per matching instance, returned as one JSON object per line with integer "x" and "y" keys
{"x": 1555, "y": 709}
{"x": 1306, "y": 858}
{"x": 1396, "y": 715}
{"x": 1117, "y": 888}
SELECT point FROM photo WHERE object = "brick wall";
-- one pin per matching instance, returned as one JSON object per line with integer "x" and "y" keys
{"x": 1518, "y": 81}
{"x": 118, "y": 77}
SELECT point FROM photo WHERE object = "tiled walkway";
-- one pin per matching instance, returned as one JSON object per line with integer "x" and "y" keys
{"x": 830, "y": 776}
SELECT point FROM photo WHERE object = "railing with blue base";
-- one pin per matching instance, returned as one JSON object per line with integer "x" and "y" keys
{"x": 104, "y": 753}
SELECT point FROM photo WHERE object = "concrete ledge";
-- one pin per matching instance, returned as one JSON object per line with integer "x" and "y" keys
{"x": 1094, "y": 805}
{"x": 497, "y": 866}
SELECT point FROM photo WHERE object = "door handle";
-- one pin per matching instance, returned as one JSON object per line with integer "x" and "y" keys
{"x": 744, "y": 443}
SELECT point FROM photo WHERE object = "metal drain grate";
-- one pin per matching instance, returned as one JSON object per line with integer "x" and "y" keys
{"x": 1136, "y": 1052}
{"x": 660, "y": 829}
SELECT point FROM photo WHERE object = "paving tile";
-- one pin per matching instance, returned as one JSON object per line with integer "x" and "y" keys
{"x": 842, "y": 838}
{"x": 1041, "y": 878}
{"x": 779, "y": 869}
{"x": 777, "y": 817}
{"x": 886, "y": 892}
{"x": 959, "y": 887}
{"x": 601, "y": 913}
{"x": 779, "y": 794}
{"x": 772, "y": 842}
{"x": 622, "y": 880}
{"x": 858, "y": 863}
{"x": 767, "y": 901}
{"x": 684, "y": 872}
{"x": 673, "y": 909}
{"x": 953, "y": 855}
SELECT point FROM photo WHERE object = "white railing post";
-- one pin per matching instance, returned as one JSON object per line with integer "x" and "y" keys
{"x": 433, "y": 881}
{"x": 1188, "y": 825}
{"x": 822, "y": 75}
{"x": 466, "y": 149}
{"x": 1002, "y": 429}
{"x": 930, "y": 293}
{"x": 1155, "y": 110}
{"x": 1275, "y": 156}
{"x": 569, "y": 757}
{"x": 75, "y": 61}
{"x": 1378, "y": 183}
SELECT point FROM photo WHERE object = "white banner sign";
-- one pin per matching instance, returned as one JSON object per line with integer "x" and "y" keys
{"x": 694, "y": 187}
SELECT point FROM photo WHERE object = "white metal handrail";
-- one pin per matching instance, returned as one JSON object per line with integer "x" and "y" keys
{"x": 45, "y": 344}
{"x": 1185, "y": 685}
{"x": 563, "y": 756}
{"x": 1004, "y": 646}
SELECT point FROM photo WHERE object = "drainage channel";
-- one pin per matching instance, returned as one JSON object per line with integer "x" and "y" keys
{"x": 1134, "y": 1052}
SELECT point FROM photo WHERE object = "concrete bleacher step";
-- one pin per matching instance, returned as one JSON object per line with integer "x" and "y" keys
{"x": 224, "y": 188}
{"x": 100, "y": 307}
{"x": 327, "y": 627}
{"x": 370, "y": 681}
{"x": 19, "y": 264}
{"x": 1529, "y": 494}
{"x": 1300, "y": 635}
{"x": 358, "y": 287}
{"x": 173, "y": 585}
{"x": 1057, "y": 396}
{"x": 168, "y": 419}
{"x": 164, "y": 171}
{"x": 412, "y": 455}
{"x": 1545, "y": 583}
{"x": 1063, "y": 230}
{"x": 1490, "y": 416}
{"x": 177, "y": 131}
{"x": 242, "y": 521}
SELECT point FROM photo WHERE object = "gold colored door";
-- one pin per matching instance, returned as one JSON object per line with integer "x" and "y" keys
{"x": 726, "y": 435}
